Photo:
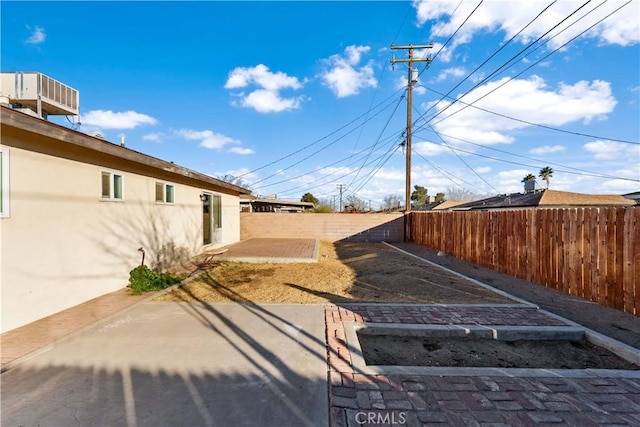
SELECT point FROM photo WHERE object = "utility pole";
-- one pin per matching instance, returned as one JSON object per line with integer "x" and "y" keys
{"x": 340, "y": 187}
{"x": 413, "y": 78}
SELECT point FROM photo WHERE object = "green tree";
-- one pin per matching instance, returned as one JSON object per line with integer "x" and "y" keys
{"x": 546, "y": 173}
{"x": 419, "y": 195}
{"x": 439, "y": 197}
{"x": 310, "y": 198}
{"x": 529, "y": 177}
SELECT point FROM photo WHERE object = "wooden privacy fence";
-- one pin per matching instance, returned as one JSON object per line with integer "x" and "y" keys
{"x": 593, "y": 253}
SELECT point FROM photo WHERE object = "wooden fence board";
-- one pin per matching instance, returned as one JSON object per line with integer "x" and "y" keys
{"x": 635, "y": 251}
{"x": 573, "y": 254}
{"x": 593, "y": 253}
{"x": 618, "y": 283}
{"x": 610, "y": 273}
{"x": 590, "y": 252}
{"x": 602, "y": 258}
{"x": 628, "y": 288}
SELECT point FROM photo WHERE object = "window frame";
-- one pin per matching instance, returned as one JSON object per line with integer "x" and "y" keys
{"x": 165, "y": 187}
{"x": 112, "y": 181}
{"x": 5, "y": 203}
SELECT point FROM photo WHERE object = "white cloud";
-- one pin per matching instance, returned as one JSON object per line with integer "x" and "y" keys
{"x": 155, "y": 137}
{"x": 621, "y": 28}
{"x": 510, "y": 181}
{"x": 266, "y": 101}
{"x": 547, "y": 149}
{"x": 455, "y": 72}
{"x": 261, "y": 76}
{"x": 118, "y": 120}
{"x": 212, "y": 140}
{"x": 609, "y": 150}
{"x": 343, "y": 76}
{"x": 207, "y": 138}
{"x": 241, "y": 150}
{"x": 527, "y": 99}
{"x": 483, "y": 169}
{"x": 37, "y": 36}
{"x": 266, "y": 98}
{"x": 427, "y": 148}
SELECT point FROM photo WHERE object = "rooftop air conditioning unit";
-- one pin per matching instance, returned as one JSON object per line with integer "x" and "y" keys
{"x": 529, "y": 186}
{"x": 39, "y": 93}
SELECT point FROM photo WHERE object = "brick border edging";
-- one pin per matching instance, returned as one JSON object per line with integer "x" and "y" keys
{"x": 458, "y": 400}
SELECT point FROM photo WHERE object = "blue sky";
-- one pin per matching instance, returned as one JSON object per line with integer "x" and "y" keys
{"x": 297, "y": 97}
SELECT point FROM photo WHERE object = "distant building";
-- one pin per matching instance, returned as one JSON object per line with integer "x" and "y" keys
{"x": 545, "y": 199}
{"x": 438, "y": 206}
{"x": 250, "y": 203}
{"x": 633, "y": 196}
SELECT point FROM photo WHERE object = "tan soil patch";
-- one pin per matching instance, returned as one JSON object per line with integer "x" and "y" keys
{"x": 345, "y": 272}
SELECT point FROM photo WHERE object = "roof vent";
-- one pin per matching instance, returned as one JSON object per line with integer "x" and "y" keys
{"x": 42, "y": 94}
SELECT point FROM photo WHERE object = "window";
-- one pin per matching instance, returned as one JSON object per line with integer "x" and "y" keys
{"x": 112, "y": 186}
{"x": 4, "y": 182}
{"x": 217, "y": 211}
{"x": 164, "y": 193}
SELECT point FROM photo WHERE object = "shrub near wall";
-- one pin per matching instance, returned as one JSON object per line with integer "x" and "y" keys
{"x": 593, "y": 253}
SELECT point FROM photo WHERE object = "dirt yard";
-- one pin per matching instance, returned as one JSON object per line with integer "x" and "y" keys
{"x": 345, "y": 272}
{"x": 470, "y": 352}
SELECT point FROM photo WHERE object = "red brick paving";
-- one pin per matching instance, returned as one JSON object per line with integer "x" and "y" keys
{"x": 417, "y": 400}
{"x": 26, "y": 339}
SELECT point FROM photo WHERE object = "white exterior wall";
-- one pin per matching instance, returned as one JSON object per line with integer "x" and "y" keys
{"x": 63, "y": 245}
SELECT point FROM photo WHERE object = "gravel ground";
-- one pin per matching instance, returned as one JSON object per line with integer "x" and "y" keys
{"x": 608, "y": 321}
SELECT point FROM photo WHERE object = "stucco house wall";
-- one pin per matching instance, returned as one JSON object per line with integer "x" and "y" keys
{"x": 62, "y": 243}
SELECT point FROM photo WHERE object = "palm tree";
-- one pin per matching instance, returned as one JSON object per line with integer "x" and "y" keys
{"x": 546, "y": 173}
{"x": 530, "y": 177}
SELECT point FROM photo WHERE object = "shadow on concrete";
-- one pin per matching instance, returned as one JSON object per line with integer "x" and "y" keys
{"x": 179, "y": 364}
{"x": 259, "y": 311}
{"x": 102, "y": 397}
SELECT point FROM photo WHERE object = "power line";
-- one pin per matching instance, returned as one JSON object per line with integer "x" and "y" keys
{"x": 317, "y": 151}
{"x": 532, "y": 65}
{"x": 376, "y": 170}
{"x": 321, "y": 139}
{"x": 594, "y": 174}
{"x": 503, "y": 67}
{"x": 446, "y": 174}
{"x": 454, "y": 33}
{"x": 529, "y": 158}
{"x": 490, "y": 56}
{"x": 465, "y": 163}
{"x": 534, "y": 124}
{"x": 366, "y": 149}
{"x": 379, "y": 136}
{"x": 306, "y": 185}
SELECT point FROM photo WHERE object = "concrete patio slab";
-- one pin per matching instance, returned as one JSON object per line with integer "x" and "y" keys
{"x": 177, "y": 364}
